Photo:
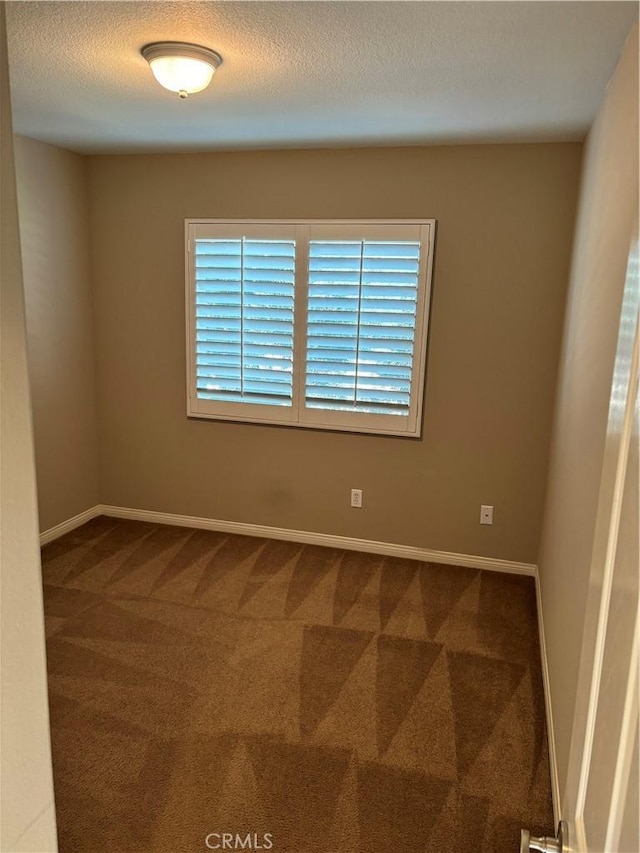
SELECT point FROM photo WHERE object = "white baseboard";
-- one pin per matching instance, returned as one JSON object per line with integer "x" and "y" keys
{"x": 70, "y": 524}
{"x": 553, "y": 759}
{"x": 348, "y": 543}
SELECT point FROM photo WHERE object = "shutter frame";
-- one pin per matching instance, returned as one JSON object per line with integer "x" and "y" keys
{"x": 299, "y": 414}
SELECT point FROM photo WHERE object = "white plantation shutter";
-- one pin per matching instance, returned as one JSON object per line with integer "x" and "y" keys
{"x": 241, "y": 330}
{"x": 244, "y": 292}
{"x": 361, "y": 325}
{"x": 317, "y": 324}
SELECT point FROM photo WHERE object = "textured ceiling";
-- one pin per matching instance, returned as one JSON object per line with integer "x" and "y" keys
{"x": 314, "y": 73}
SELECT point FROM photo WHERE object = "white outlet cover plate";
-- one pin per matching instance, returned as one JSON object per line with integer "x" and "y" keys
{"x": 486, "y": 514}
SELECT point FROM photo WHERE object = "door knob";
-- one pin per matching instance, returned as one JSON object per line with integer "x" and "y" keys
{"x": 543, "y": 845}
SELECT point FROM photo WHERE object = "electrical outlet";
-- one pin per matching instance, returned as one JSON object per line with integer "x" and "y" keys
{"x": 356, "y": 498}
{"x": 486, "y": 515}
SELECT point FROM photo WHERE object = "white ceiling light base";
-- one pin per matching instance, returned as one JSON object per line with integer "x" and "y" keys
{"x": 180, "y": 67}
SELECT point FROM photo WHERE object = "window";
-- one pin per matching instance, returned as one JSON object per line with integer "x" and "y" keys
{"x": 310, "y": 323}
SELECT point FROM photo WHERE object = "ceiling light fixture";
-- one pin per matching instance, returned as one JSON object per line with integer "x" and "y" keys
{"x": 180, "y": 67}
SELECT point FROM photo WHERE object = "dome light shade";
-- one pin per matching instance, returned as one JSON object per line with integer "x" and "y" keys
{"x": 182, "y": 68}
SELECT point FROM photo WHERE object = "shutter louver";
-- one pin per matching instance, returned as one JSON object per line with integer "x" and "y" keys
{"x": 244, "y": 300}
{"x": 361, "y": 323}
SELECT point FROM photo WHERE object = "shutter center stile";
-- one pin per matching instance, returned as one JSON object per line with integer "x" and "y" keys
{"x": 355, "y": 383}
{"x": 242, "y": 357}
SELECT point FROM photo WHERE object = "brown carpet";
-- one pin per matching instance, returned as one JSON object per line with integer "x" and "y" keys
{"x": 339, "y": 702}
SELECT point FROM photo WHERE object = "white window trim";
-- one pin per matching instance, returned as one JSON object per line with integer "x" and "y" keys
{"x": 313, "y": 418}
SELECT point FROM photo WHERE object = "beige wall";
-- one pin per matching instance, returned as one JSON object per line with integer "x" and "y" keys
{"x": 53, "y": 205}
{"x": 27, "y": 820}
{"x": 505, "y": 220}
{"x": 607, "y": 211}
